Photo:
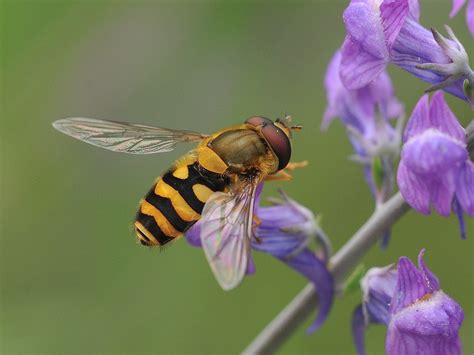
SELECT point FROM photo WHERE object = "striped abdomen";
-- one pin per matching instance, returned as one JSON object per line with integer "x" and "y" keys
{"x": 175, "y": 203}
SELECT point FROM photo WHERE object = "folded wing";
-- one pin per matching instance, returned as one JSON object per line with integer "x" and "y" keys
{"x": 226, "y": 234}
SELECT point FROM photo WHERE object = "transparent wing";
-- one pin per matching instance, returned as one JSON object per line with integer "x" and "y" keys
{"x": 124, "y": 137}
{"x": 226, "y": 234}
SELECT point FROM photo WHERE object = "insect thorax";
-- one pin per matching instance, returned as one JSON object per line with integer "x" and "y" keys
{"x": 240, "y": 149}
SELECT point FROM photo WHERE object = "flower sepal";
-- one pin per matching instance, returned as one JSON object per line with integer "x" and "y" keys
{"x": 457, "y": 69}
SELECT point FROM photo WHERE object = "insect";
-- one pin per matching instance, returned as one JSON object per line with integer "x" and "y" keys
{"x": 215, "y": 182}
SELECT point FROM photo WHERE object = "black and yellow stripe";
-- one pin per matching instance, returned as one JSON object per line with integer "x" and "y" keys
{"x": 175, "y": 202}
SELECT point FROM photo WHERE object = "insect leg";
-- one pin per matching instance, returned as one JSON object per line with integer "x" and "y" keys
{"x": 282, "y": 175}
{"x": 297, "y": 165}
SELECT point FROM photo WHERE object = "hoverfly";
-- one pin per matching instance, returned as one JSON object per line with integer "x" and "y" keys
{"x": 215, "y": 182}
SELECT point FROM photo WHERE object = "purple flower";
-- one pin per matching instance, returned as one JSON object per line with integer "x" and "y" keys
{"x": 435, "y": 169}
{"x": 378, "y": 286}
{"x": 366, "y": 112}
{"x": 457, "y": 5}
{"x": 421, "y": 318}
{"x": 380, "y": 32}
{"x": 424, "y": 320}
{"x": 285, "y": 231}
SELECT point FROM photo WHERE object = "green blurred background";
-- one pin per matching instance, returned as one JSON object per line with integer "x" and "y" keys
{"x": 73, "y": 278}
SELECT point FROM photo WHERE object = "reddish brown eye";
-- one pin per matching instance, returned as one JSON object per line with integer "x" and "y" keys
{"x": 258, "y": 121}
{"x": 279, "y": 142}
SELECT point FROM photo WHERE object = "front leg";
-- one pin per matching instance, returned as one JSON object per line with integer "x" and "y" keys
{"x": 283, "y": 175}
{"x": 296, "y": 165}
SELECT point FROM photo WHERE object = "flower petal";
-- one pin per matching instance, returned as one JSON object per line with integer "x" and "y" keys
{"x": 332, "y": 82}
{"x": 443, "y": 118}
{"x": 251, "y": 266}
{"x": 258, "y": 194}
{"x": 460, "y": 215}
{"x": 381, "y": 89}
{"x": 430, "y": 326}
{"x": 393, "y": 14}
{"x": 193, "y": 235}
{"x": 415, "y": 45}
{"x": 430, "y": 279}
{"x": 358, "y": 329}
{"x": 356, "y": 108}
{"x": 470, "y": 16}
{"x": 378, "y": 286}
{"x": 410, "y": 286}
{"x": 340, "y": 100}
{"x": 363, "y": 25}
{"x": 358, "y": 67}
{"x": 316, "y": 271}
{"x": 457, "y": 5}
{"x": 414, "y": 9}
{"x": 304, "y": 261}
{"x": 284, "y": 232}
{"x": 433, "y": 153}
{"x": 465, "y": 188}
{"x": 284, "y": 227}
{"x": 413, "y": 189}
{"x": 276, "y": 242}
{"x": 442, "y": 193}
{"x": 329, "y": 115}
{"x": 419, "y": 119}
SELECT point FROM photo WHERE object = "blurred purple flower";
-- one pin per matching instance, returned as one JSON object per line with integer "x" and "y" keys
{"x": 388, "y": 31}
{"x": 424, "y": 320}
{"x": 357, "y": 108}
{"x": 421, "y": 318}
{"x": 378, "y": 286}
{"x": 366, "y": 113}
{"x": 435, "y": 168}
{"x": 285, "y": 231}
{"x": 457, "y": 5}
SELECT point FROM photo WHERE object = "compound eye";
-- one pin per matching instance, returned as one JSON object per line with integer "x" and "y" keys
{"x": 279, "y": 142}
{"x": 258, "y": 121}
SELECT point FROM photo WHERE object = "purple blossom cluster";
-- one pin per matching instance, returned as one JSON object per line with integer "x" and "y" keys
{"x": 435, "y": 170}
{"x": 367, "y": 113}
{"x": 435, "y": 167}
